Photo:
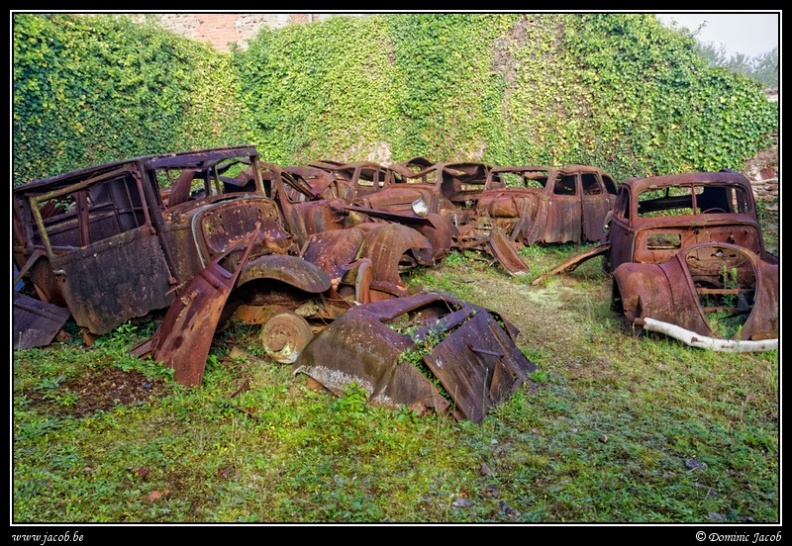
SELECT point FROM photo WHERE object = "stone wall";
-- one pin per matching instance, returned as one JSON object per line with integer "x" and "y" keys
{"x": 762, "y": 169}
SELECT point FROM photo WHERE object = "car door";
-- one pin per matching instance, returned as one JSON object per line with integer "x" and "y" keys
{"x": 106, "y": 258}
{"x": 562, "y": 220}
{"x": 595, "y": 202}
{"x": 620, "y": 232}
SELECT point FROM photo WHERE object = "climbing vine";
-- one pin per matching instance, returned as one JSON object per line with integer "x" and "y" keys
{"x": 91, "y": 89}
{"x": 619, "y": 91}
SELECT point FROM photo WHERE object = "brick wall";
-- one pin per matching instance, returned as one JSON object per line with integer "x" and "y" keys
{"x": 222, "y": 29}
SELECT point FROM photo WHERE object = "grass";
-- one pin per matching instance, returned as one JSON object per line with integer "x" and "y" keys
{"x": 614, "y": 427}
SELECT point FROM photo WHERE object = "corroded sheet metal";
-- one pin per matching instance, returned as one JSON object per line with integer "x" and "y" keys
{"x": 477, "y": 362}
{"x": 312, "y": 217}
{"x": 357, "y": 348}
{"x": 291, "y": 270}
{"x": 109, "y": 282}
{"x": 672, "y": 291}
{"x": 184, "y": 337}
{"x": 387, "y": 246}
{"x": 35, "y": 323}
{"x": 479, "y": 366}
{"x": 504, "y": 251}
{"x": 322, "y": 183}
{"x": 331, "y": 251}
{"x": 569, "y": 265}
{"x": 440, "y": 232}
{"x": 227, "y": 225}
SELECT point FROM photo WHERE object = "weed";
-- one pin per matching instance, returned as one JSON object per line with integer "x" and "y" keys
{"x": 606, "y": 436}
{"x": 353, "y": 400}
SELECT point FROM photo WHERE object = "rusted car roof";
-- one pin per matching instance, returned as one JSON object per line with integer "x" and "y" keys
{"x": 681, "y": 179}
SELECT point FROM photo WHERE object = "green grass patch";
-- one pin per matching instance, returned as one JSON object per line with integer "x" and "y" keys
{"x": 613, "y": 427}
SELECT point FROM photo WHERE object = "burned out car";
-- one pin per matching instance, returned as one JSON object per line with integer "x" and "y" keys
{"x": 548, "y": 204}
{"x": 687, "y": 256}
{"x": 116, "y": 241}
{"x": 655, "y": 217}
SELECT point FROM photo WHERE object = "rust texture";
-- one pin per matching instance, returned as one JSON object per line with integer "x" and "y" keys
{"x": 476, "y": 361}
{"x": 184, "y": 337}
{"x": 549, "y": 205}
{"x": 700, "y": 279}
{"x": 655, "y": 217}
{"x": 35, "y": 323}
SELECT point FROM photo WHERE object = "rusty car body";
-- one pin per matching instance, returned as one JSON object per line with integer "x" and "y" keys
{"x": 382, "y": 347}
{"x": 684, "y": 246}
{"x": 702, "y": 282}
{"x": 116, "y": 241}
{"x": 548, "y": 204}
{"x": 655, "y": 217}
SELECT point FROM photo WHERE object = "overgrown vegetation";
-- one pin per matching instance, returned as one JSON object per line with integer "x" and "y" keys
{"x": 93, "y": 89}
{"x": 619, "y": 91}
{"x": 614, "y": 427}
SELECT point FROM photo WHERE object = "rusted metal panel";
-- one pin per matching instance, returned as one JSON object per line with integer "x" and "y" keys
{"x": 332, "y": 251}
{"x": 477, "y": 362}
{"x": 674, "y": 291}
{"x": 391, "y": 247}
{"x": 109, "y": 282}
{"x": 440, "y": 233}
{"x": 322, "y": 183}
{"x": 184, "y": 337}
{"x": 595, "y": 208}
{"x": 227, "y": 224}
{"x": 569, "y": 265}
{"x": 479, "y": 365}
{"x": 290, "y": 270}
{"x": 36, "y": 323}
{"x": 504, "y": 251}
{"x": 438, "y": 230}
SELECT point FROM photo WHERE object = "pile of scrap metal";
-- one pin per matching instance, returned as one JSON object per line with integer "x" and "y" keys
{"x": 686, "y": 251}
{"x": 216, "y": 235}
{"x": 471, "y": 351}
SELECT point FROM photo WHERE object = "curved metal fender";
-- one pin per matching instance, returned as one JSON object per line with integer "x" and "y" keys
{"x": 291, "y": 270}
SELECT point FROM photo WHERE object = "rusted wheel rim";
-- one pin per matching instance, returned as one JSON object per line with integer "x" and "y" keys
{"x": 284, "y": 337}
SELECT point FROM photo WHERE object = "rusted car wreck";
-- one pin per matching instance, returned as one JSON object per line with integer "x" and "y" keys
{"x": 216, "y": 235}
{"x": 547, "y": 204}
{"x": 702, "y": 232}
{"x": 383, "y": 347}
{"x": 687, "y": 255}
{"x": 472, "y": 205}
{"x": 117, "y": 241}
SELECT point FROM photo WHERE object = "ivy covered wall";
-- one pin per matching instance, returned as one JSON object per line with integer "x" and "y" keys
{"x": 619, "y": 91}
{"x": 92, "y": 89}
